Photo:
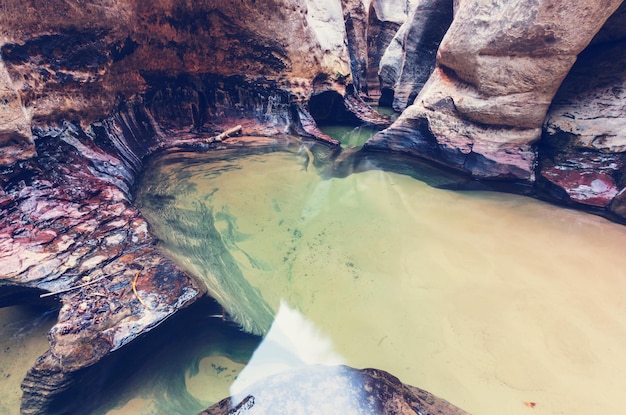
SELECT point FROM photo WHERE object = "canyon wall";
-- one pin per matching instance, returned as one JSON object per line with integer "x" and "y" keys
{"x": 529, "y": 93}
{"x": 498, "y": 67}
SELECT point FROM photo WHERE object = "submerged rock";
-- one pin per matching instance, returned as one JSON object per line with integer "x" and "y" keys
{"x": 334, "y": 390}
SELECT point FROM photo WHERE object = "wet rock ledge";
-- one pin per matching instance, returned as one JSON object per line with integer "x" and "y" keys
{"x": 334, "y": 390}
{"x": 68, "y": 227}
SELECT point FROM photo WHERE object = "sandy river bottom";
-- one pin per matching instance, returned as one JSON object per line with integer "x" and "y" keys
{"x": 490, "y": 301}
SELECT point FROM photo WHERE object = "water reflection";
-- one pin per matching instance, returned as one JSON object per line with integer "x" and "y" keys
{"x": 179, "y": 368}
{"x": 349, "y": 136}
{"x": 293, "y": 342}
{"x": 487, "y": 300}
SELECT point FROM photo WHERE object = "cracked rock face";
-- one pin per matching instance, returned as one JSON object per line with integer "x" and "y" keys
{"x": 68, "y": 228}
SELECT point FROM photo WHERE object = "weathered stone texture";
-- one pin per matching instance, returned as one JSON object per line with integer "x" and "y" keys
{"x": 77, "y": 61}
{"x": 410, "y": 58}
{"x": 68, "y": 226}
{"x": 584, "y": 143}
{"x": 498, "y": 67}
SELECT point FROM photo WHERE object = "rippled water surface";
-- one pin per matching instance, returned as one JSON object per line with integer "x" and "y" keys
{"x": 490, "y": 301}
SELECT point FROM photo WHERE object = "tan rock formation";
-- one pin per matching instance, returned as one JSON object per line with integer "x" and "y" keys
{"x": 78, "y": 60}
{"x": 384, "y": 19}
{"x": 16, "y": 141}
{"x": 409, "y": 59}
{"x": 498, "y": 67}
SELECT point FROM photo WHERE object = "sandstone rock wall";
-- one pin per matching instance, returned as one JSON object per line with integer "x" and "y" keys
{"x": 73, "y": 60}
{"x": 410, "y": 58}
{"x": 582, "y": 153}
{"x": 498, "y": 67}
{"x": 87, "y": 89}
{"x": 384, "y": 19}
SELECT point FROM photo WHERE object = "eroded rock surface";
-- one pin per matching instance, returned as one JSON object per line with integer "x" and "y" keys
{"x": 384, "y": 19}
{"x": 334, "y": 390}
{"x": 69, "y": 59}
{"x": 498, "y": 67}
{"x": 410, "y": 58}
{"x": 68, "y": 227}
{"x": 584, "y": 144}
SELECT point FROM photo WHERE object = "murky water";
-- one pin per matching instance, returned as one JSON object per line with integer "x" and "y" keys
{"x": 490, "y": 301}
{"x": 23, "y": 338}
{"x": 349, "y": 136}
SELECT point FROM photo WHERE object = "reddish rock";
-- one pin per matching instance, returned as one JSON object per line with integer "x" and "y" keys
{"x": 588, "y": 188}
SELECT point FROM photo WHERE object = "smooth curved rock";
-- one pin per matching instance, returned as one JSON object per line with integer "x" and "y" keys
{"x": 499, "y": 65}
{"x": 334, "y": 390}
{"x": 385, "y": 17}
{"x": 410, "y": 58}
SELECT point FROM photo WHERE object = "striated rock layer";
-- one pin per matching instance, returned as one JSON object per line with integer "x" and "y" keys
{"x": 582, "y": 153}
{"x": 68, "y": 226}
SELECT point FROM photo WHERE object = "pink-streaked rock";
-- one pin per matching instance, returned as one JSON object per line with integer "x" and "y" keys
{"x": 66, "y": 227}
{"x": 585, "y": 130}
{"x": 587, "y": 188}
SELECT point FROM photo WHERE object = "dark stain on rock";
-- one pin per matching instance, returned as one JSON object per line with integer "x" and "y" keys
{"x": 69, "y": 50}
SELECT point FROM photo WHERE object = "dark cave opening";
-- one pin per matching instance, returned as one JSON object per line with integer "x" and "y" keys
{"x": 328, "y": 108}
{"x": 386, "y": 97}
